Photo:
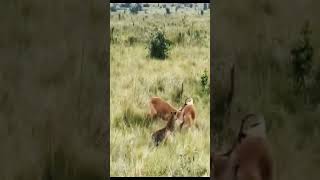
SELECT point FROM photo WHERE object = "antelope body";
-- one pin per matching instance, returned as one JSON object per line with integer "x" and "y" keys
{"x": 187, "y": 115}
{"x": 161, "y": 134}
{"x": 160, "y": 108}
{"x": 249, "y": 158}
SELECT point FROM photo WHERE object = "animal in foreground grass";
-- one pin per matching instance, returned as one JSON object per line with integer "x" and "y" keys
{"x": 187, "y": 114}
{"x": 249, "y": 158}
{"x": 160, "y": 108}
{"x": 161, "y": 134}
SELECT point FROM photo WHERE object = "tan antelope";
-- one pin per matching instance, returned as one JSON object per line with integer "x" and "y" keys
{"x": 162, "y": 134}
{"x": 187, "y": 113}
{"x": 249, "y": 158}
{"x": 160, "y": 108}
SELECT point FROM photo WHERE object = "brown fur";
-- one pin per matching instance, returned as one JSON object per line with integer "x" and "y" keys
{"x": 160, "y": 108}
{"x": 161, "y": 134}
{"x": 187, "y": 115}
{"x": 250, "y": 160}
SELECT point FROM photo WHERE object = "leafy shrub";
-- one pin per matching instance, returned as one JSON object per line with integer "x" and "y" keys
{"x": 167, "y": 11}
{"x": 302, "y": 56}
{"x": 159, "y": 45}
{"x": 205, "y": 6}
{"x": 177, "y": 7}
{"x": 135, "y": 8}
{"x": 146, "y": 5}
{"x": 204, "y": 81}
{"x": 113, "y": 9}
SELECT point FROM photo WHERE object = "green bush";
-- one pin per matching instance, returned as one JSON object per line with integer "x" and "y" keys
{"x": 302, "y": 56}
{"x": 113, "y": 9}
{"x": 146, "y": 5}
{"x": 205, "y": 6}
{"x": 205, "y": 81}
{"x": 168, "y": 10}
{"x": 135, "y": 9}
{"x": 159, "y": 45}
{"x": 125, "y": 5}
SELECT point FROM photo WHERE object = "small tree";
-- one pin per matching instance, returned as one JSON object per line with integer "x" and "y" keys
{"x": 204, "y": 81}
{"x": 167, "y": 10}
{"x": 125, "y": 5}
{"x": 113, "y": 8}
{"x": 135, "y": 8}
{"x": 302, "y": 56}
{"x": 205, "y": 6}
{"x": 177, "y": 7}
{"x": 158, "y": 45}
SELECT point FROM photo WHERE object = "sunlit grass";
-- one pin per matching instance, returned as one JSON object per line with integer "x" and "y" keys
{"x": 135, "y": 78}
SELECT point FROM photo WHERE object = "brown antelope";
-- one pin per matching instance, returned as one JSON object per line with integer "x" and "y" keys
{"x": 187, "y": 113}
{"x": 160, "y": 108}
{"x": 248, "y": 159}
{"x": 161, "y": 134}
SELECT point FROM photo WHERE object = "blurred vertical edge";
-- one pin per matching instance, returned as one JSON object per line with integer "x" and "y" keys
{"x": 54, "y": 106}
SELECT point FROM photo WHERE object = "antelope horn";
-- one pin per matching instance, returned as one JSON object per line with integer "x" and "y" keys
{"x": 240, "y": 134}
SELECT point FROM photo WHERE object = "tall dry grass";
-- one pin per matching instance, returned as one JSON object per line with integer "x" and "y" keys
{"x": 257, "y": 36}
{"x": 135, "y": 77}
{"x": 52, "y": 90}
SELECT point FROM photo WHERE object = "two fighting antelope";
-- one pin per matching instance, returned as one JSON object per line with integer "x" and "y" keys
{"x": 186, "y": 115}
{"x": 250, "y": 157}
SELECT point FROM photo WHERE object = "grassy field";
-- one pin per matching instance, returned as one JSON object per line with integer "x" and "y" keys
{"x": 53, "y": 122}
{"x": 135, "y": 77}
{"x": 259, "y": 43}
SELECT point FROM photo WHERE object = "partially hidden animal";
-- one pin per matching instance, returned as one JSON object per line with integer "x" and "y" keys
{"x": 250, "y": 156}
{"x": 250, "y": 160}
{"x": 163, "y": 133}
{"x": 160, "y": 108}
{"x": 187, "y": 114}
